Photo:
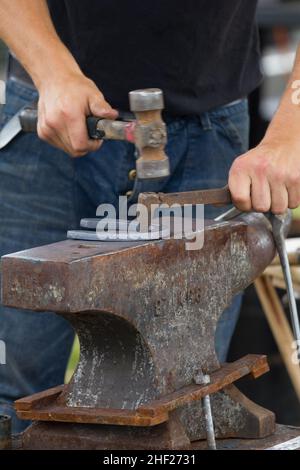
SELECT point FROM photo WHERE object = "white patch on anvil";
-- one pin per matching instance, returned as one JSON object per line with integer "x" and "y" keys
{"x": 85, "y": 397}
{"x": 55, "y": 292}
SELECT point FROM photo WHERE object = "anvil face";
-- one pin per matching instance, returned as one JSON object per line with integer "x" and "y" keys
{"x": 145, "y": 312}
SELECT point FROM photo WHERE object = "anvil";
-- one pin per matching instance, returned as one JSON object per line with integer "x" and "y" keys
{"x": 146, "y": 315}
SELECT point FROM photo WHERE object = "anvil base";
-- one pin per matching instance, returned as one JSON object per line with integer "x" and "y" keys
{"x": 60, "y": 436}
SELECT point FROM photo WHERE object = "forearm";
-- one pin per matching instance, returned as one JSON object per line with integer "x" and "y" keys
{"x": 26, "y": 27}
{"x": 286, "y": 122}
{"x": 268, "y": 177}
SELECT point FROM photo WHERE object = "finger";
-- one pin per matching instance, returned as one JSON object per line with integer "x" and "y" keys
{"x": 294, "y": 196}
{"x": 56, "y": 142}
{"x": 279, "y": 198}
{"x": 52, "y": 130}
{"x": 240, "y": 188}
{"x": 79, "y": 139}
{"x": 50, "y": 135}
{"x": 70, "y": 134}
{"x": 260, "y": 194}
{"x": 101, "y": 108}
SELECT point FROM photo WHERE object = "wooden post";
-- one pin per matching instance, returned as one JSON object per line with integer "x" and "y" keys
{"x": 279, "y": 326}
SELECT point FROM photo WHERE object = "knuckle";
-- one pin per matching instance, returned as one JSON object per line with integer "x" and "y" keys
{"x": 68, "y": 112}
{"x": 260, "y": 166}
{"x": 278, "y": 175}
{"x": 44, "y": 132}
{"x": 95, "y": 146}
{"x": 293, "y": 179}
{"x": 243, "y": 207}
{"x": 237, "y": 166}
{"x": 79, "y": 147}
{"x": 294, "y": 201}
{"x": 240, "y": 198}
{"x": 242, "y": 203}
{"x": 52, "y": 121}
{"x": 294, "y": 204}
{"x": 97, "y": 98}
{"x": 78, "y": 151}
{"x": 261, "y": 207}
{"x": 92, "y": 84}
{"x": 76, "y": 154}
{"x": 279, "y": 209}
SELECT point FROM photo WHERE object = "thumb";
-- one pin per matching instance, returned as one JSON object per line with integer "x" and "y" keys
{"x": 100, "y": 108}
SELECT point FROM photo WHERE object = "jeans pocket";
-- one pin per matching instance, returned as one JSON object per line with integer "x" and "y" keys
{"x": 232, "y": 132}
{"x": 233, "y": 124}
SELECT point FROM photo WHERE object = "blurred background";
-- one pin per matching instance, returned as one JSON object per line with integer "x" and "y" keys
{"x": 279, "y": 26}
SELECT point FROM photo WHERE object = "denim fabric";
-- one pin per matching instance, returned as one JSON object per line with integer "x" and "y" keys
{"x": 43, "y": 193}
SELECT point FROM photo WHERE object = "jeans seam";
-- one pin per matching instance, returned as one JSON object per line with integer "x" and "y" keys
{"x": 232, "y": 133}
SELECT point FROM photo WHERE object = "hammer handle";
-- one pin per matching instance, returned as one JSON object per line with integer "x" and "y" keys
{"x": 92, "y": 128}
{"x": 95, "y": 125}
{"x": 28, "y": 119}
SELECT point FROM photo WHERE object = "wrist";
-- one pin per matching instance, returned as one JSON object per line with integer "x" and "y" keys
{"x": 58, "y": 67}
{"x": 285, "y": 125}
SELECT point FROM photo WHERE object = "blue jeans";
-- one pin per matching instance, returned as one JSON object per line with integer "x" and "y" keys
{"x": 43, "y": 193}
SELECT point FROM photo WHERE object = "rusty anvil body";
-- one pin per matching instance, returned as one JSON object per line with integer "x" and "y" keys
{"x": 146, "y": 315}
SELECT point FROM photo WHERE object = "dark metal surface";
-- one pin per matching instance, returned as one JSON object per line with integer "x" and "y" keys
{"x": 146, "y": 315}
{"x": 65, "y": 436}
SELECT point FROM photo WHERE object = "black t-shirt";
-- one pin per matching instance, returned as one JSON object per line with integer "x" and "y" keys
{"x": 201, "y": 53}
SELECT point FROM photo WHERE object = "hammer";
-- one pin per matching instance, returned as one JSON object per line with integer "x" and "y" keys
{"x": 144, "y": 128}
{"x": 147, "y": 132}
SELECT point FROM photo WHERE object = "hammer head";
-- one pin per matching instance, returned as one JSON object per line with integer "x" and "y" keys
{"x": 151, "y": 135}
